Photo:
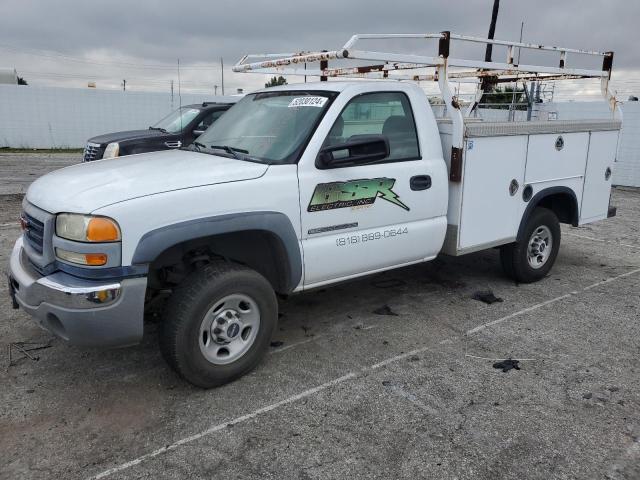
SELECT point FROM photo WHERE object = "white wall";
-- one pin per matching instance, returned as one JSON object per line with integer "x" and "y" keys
{"x": 52, "y": 117}
{"x": 627, "y": 171}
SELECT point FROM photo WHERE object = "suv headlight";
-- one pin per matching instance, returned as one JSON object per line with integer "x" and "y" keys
{"x": 87, "y": 228}
{"x": 112, "y": 150}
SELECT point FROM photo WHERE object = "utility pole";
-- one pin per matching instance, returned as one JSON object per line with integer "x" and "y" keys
{"x": 492, "y": 30}
{"x": 324, "y": 64}
{"x": 172, "y": 93}
{"x": 124, "y": 85}
{"x": 222, "y": 73}
{"x": 215, "y": 89}
{"x": 487, "y": 82}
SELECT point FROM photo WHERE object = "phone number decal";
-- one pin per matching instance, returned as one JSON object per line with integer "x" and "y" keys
{"x": 361, "y": 238}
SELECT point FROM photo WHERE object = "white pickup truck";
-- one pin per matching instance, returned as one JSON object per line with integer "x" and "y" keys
{"x": 296, "y": 187}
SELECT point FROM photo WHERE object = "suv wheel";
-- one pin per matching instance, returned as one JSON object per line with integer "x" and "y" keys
{"x": 531, "y": 259}
{"x": 218, "y": 324}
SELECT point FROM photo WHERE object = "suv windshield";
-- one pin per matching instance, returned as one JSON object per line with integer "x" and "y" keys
{"x": 269, "y": 127}
{"x": 177, "y": 120}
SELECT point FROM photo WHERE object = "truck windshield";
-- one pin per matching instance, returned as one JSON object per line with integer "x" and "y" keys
{"x": 177, "y": 120}
{"x": 268, "y": 127}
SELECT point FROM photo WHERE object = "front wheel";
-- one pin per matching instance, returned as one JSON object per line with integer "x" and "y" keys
{"x": 218, "y": 324}
{"x": 531, "y": 259}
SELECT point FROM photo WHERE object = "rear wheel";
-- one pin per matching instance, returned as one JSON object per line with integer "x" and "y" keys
{"x": 532, "y": 257}
{"x": 218, "y": 324}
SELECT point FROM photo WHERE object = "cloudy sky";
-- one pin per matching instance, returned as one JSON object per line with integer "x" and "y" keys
{"x": 71, "y": 42}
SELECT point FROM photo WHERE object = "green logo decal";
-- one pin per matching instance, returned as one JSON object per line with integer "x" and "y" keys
{"x": 353, "y": 193}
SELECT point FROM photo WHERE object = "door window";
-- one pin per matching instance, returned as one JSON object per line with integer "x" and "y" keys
{"x": 208, "y": 120}
{"x": 386, "y": 113}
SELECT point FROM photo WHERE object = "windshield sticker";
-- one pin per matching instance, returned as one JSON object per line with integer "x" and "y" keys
{"x": 308, "y": 102}
{"x": 354, "y": 193}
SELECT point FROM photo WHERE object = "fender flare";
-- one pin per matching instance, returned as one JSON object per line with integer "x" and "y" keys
{"x": 538, "y": 197}
{"x": 153, "y": 243}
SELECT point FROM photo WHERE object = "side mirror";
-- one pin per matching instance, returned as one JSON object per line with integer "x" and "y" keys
{"x": 197, "y": 133}
{"x": 358, "y": 150}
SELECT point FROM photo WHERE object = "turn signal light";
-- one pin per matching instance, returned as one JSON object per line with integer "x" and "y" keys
{"x": 102, "y": 229}
{"x": 95, "y": 259}
{"x": 91, "y": 259}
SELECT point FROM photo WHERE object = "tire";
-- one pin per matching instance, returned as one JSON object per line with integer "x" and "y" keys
{"x": 531, "y": 259}
{"x": 194, "y": 312}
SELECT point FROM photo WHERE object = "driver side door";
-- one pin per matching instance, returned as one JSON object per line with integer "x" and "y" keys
{"x": 364, "y": 218}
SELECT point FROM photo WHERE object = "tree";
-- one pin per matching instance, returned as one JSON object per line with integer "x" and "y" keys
{"x": 501, "y": 98}
{"x": 274, "y": 82}
{"x": 22, "y": 81}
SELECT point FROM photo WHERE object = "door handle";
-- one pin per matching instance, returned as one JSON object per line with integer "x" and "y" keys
{"x": 420, "y": 182}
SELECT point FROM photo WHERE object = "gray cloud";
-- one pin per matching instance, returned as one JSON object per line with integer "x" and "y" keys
{"x": 154, "y": 32}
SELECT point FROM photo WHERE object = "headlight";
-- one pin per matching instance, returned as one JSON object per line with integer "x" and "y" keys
{"x": 87, "y": 228}
{"x": 112, "y": 150}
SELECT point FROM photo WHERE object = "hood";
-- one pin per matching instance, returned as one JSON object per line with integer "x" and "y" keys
{"x": 126, "y": 135}
{"x": 86, "y": 187}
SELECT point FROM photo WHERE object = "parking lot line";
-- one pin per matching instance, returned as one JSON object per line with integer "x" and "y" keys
{"x": 221, "y": 426}
{"x": 518, "y": 313}
{"x": 296, "y": 344}
{"x": 548, "y": 302}
{"x": 601, "y": 241}
{"x": 413, "y": 399}
{"x": 334, "y": 382}
{"x": 255, "y": 413}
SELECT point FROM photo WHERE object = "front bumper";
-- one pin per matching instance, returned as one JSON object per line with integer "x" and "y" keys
{"x": 82, "y": 312}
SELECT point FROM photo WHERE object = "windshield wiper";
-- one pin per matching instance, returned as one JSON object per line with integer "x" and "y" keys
{"x": 194, "y": 147}
{"x": 231, "y": 150}
{"x": 158, "y": 128}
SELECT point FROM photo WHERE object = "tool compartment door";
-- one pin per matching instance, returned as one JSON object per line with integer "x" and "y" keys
{"x": 494, "y": 167}
{"x": 597, "y": 178}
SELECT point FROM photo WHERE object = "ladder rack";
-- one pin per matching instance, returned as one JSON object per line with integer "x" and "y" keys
{"x": 383, "y": 65}
{"x": 398, "y": 66}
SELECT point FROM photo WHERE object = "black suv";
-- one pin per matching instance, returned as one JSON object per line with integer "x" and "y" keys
{"x": 178, "y": 129}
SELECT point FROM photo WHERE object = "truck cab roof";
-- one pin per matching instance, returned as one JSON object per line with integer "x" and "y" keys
{"x": 336, "y": 86}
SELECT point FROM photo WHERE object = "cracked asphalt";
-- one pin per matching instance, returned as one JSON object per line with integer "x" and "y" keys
{"x": 354, "y": 394}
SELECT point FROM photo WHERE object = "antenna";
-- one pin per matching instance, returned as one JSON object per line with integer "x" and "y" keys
{"x": 180, "y": 95}
{"x": 520, "y": 48}
{"x": 222, "y": 73}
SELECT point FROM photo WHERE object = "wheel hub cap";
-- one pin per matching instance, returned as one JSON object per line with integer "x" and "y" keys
{"x": 229, "y": 328}
{"x": 233, "y": 330}
{"x": 539, "y": 247}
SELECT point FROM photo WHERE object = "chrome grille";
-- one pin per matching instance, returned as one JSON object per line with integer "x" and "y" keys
{"x": 91, "y": 152}
{"x": 33, "y": 232}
